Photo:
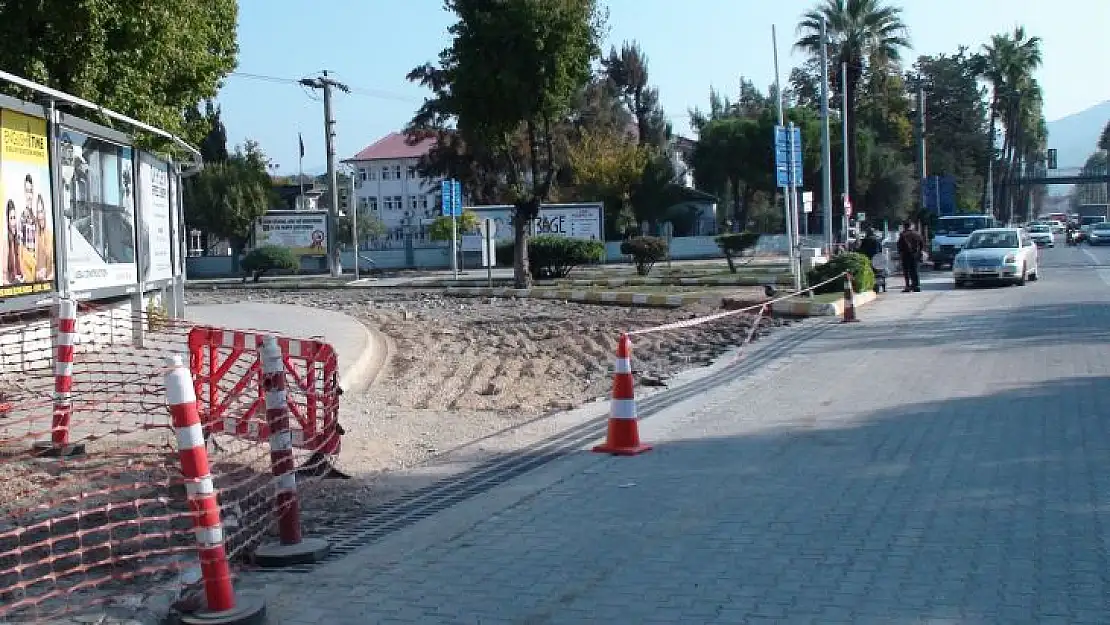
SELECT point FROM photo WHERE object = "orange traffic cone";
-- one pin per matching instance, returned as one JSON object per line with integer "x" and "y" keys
{"x": 624, "y": 430}
{"x": 849, "y": 301}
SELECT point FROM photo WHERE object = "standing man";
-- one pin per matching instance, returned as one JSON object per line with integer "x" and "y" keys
{"x": 910, "y": 248}
{"x": 29, "y": 227}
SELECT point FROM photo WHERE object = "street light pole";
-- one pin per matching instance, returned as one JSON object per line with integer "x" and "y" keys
{"x": 844, "y": 148}
{"x": 826, "y": 155}
{"x": 789, "y": 205}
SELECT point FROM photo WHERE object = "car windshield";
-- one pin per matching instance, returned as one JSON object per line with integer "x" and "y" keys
{"x": 1100, "y": 227}
{"x": 960, "y": 225}
{"x": 984, "y": 240}
{"x": 1038, "y": 228}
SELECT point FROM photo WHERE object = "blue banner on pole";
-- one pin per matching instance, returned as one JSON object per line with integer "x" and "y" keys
{"x": 938, "y": 194}
{"x": 783, "y": 154}
{"x": 456, "y": 198}
{"x": 445, "y": 197}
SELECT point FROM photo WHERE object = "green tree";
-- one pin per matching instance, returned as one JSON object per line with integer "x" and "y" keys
{"x": 441, "y": 228}
{"x": 508, "y": 74}
{"x": 151, "y": 61}
{"x": 606, "y": 166}
{"x": 225, "y": 199}
{"x": 861, "y": 33}
{"x": 627, "y": 69}
{"x": 1104, "y": 138}
{"x": 369, "y": 227}
{"x": 1008, "y": 63}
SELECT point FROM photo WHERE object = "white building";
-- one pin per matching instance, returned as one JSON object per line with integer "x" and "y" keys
{"x": 388, "y": 186}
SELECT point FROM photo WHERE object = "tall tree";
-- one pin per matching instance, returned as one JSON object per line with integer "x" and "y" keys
{"x": 151, "y": 61}
{"x": 1008, "y": 63}
{"x": 225, "y": 199}
{"x": 860, "y": 33}
{"x": 607, "y": 165}
{"x": 1104, "y": 138}
{"x": 628, "y": 70}
{"x": 511, "y": 72}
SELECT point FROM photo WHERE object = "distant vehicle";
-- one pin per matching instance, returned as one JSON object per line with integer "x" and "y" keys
{"x": 951, "y": 233}
{"x": 1042, "y": 235}
{"x": 1090, "y": 220}
{"x": 996, "y": 255}
{"x": 1099, "y": 234}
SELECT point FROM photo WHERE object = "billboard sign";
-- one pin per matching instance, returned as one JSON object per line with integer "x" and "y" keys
{"x": 156, "y": 225}
{"x": 99, "y": 206}
{"x": 305, "y": 233}
{"x": 576, "y": 221}
{"x": 27, "y": 245}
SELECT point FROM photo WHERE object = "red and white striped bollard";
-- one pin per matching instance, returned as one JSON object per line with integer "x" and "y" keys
{"x": 292, "y": 548}
{"x": 221, "y": 606}
{"x": 65, "y": 346}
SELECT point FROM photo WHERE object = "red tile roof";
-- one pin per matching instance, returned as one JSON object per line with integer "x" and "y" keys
{"x": 393, "y": 145}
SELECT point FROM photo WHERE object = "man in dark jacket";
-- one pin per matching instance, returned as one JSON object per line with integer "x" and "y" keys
{"x": 869, "y": 246}
{"x": 910, "y": 248}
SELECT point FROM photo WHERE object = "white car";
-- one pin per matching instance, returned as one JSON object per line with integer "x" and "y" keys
{"x": 1042, "y": 235}
{"x": 996, "y": 255}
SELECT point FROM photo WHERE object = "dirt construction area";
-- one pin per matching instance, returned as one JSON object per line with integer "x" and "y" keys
{"x": 469, "y": 378}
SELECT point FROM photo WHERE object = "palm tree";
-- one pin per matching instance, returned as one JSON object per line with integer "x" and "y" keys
{"x": 1008, "y": 63}
{"x": 860, "y": 33}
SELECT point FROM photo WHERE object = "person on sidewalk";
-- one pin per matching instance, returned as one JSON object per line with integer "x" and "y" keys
{"x": 910, "y": 248}
{"x": 869, "y": 245}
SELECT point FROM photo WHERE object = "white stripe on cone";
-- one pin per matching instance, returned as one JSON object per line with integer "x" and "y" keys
{"x": 622, "y": 409}
{"x": 287, "y": 482}
{"x": 623, "y": 365}
{"x": 210, "y": 536}
{"x": 202, "y": 486}
{"x": 190, "y": 437}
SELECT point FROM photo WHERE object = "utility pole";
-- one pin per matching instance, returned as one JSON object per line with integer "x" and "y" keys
{"x": 326, "y": 84}
{"x": 789, "y": 198}
{"x": 844, "y": 140}
{"x": 922, "y": 168}
{"x": 826, "y": 155}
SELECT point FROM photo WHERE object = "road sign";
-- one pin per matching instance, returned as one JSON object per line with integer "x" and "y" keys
{"x": 847, "y": 206}
{"x": 488, "y": 228}
{"x": 456, "y": 198}
{"x": 807, "y": 201}
{"x": 861, "y": 216}
{"x": 445, "y": 197}
{"x": 939, "y": 195}
{"x": 784, "y": 140}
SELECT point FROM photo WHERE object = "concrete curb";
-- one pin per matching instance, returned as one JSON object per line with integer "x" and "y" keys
{"x": 803, "y": 308}
{"x": 748, "y": 280}
{"x": 645, "y": 300}
{"x": 360, "y": 374}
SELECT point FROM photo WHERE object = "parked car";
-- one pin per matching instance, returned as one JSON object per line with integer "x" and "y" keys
{"x": 1099, "y": 234}
{"x": 1042, "y": 235}
{"x": 996, "y": 255}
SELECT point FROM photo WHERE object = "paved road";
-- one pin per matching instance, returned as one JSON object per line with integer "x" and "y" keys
{"x": 945, "y": 461}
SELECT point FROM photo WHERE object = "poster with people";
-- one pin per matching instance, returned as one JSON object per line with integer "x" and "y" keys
{"x": 98, "y": 185}
{"x": 27, "y": 245}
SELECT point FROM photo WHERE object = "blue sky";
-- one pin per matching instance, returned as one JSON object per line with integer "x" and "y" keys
{"x": 691, "y": 45}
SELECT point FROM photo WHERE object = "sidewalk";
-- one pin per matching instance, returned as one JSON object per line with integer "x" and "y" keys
{"x": 360, "y": 351}
{"x": 866, "y": 477}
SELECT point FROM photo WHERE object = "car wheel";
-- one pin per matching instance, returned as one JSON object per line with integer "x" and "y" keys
{"x": 1035, "y": 275}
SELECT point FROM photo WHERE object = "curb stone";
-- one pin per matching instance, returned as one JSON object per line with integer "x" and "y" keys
{"x": 771, "y": 279}
{"x": 805, "y": 308}
{"x": 646, "y": 300}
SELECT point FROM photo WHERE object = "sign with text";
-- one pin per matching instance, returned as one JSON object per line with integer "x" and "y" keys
{"x": 576, "y": 221}
{"x": 27, "y": 247}
{"x": 156, "y": 225}
{"x": 98, "y": 182}
{"x": 788, "y": 156}
{"x": 305, "y": 233}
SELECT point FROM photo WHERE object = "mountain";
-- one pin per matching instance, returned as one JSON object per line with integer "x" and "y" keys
{"x": 1075, "y": 136}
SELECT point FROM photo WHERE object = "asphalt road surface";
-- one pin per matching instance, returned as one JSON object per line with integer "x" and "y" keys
{"x": 946, "y": 460}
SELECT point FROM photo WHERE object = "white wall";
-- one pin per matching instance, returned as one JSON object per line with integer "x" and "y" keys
{"x": 417, "y": 195}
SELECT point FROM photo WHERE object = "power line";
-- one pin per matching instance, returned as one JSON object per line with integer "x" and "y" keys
{"x": 354, "y": 90}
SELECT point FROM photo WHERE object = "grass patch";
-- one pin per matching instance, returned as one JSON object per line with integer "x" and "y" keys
{"x": 827, "y": 298}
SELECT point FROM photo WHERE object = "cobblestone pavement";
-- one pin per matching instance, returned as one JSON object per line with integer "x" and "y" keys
{"x": 944, "y": 461}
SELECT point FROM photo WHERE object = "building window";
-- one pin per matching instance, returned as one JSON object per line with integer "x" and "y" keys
{"x": 387, "y": 203}
{"x": 424, "y": 201}
{"x": 413, "y": 202}
{"x": 373, "y": 174}
{"x": 362, "y": 173}
{"x": 412, "y": 173}
{"x": 398, "y": 202}
{"x": 363, "y": 203}
{"x": 385, "y": 173}
{"x": 396, "y": 172}
{"x": 372, "y": 203}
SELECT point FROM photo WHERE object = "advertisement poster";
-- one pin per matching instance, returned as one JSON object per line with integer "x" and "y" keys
{"x": 99, "y": 206}
{"x": 576, "y": 221}
{"x": 155, "y": 229}
{"x": 27, "y": 247}
{"x": 304, "y": 233}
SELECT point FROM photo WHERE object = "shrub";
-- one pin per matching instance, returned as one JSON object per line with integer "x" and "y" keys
{"x": 735, "y": 244}
{"x": 645, "y": 251}
{"x": 863, "y": 277}
{"x": 269, "y": 258}
{"x": 554, "y": 257}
